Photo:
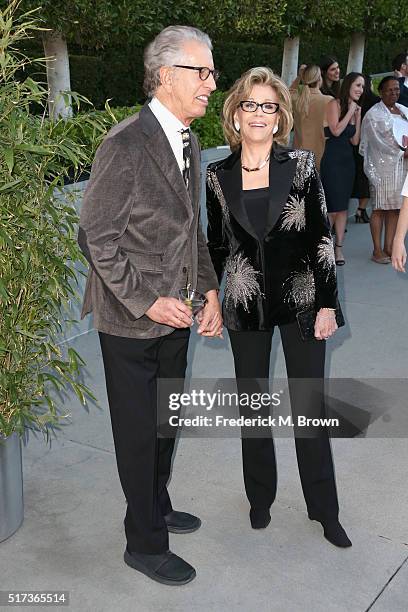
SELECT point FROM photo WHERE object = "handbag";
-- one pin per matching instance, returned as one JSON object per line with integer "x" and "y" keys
{"x": 306, "y": 321}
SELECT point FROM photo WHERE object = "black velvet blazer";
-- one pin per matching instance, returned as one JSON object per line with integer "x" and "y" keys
{"x": 292, "y": 267}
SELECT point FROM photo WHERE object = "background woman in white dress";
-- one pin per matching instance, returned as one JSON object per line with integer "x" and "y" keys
{"x": 384, "y": 164}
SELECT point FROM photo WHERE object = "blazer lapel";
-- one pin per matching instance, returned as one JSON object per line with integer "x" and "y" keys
{"x": 230, "y": 179}
{"x": 282, "y": 170}
{"x": 158, "y": 147}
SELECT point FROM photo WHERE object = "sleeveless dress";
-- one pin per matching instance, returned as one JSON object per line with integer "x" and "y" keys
{"x": 337, "y": 169}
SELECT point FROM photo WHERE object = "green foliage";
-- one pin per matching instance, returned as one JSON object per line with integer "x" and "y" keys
{"x": 88, "y": 77}
{"x": 111, "y": 23}
{"x": 343, "y": 17}
{"x": 244, "y": 21}
{"x": 134, "y": 22}
{"x": 235, "y": 58}
{"x": 118, "y": 75}
{"x": 88, "y": 128}
{"x": 121, "y": 81}
{"x": 38, "y": 245}
{"x": 121, "y": 77}
{"x": 208, "y": 128}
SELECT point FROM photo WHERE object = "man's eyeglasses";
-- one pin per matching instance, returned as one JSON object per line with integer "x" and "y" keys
{"x": 249, "y": 106}
{"x": 203, "y": 71}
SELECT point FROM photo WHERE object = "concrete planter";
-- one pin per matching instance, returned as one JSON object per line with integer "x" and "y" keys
{"x": 11, "y": 486}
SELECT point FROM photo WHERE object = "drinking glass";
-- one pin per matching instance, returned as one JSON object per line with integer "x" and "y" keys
{"x": 193, "y": 299}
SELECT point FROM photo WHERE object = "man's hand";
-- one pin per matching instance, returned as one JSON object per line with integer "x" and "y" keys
{"x": 170, "y": 311}
{"x": 325, "y": 324}
{"x": 209, "y": 318}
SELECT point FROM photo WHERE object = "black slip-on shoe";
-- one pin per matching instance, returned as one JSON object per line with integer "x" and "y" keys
{"x": 182, "y": 522}
{"x": 166, "y": 568}
{"x": 334, "y": 533}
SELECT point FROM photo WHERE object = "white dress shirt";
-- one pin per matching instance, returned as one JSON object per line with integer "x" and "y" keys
{"x": 172, "y": 128}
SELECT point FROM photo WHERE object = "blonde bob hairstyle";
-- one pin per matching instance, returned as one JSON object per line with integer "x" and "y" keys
{"x": 241, "y": 89}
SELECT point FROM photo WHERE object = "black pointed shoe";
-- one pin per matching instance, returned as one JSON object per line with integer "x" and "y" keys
{"x": 334, "y": 533}
{"x": 182, "y": 522}
{"x": 166, "y": 568}
{"x": 259, "y": 517}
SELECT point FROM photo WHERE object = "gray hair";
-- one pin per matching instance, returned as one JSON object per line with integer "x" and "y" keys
{"x": 167, "y": 49}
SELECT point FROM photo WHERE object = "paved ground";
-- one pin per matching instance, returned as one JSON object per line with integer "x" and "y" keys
{"x": 72, "y": 537}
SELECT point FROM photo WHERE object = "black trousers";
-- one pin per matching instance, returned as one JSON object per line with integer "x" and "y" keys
{"x": 304, "y": 360}
{"x": 132, "y": 367}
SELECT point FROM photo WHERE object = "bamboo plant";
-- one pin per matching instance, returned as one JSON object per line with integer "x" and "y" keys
{"x": 38, "y": 247}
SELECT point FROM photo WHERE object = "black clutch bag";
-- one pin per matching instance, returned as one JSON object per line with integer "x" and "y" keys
{"x": 306, "y": 321}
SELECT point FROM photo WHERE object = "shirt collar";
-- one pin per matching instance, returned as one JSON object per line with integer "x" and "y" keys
{"x": 168, "y": 121}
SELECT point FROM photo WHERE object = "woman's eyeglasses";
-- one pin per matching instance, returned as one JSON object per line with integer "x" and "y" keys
{"x": 249, "y": 106}
{"x": 203, "y": 71}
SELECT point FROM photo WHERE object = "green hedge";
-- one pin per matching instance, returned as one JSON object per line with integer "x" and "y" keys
{"x": 208, "y": 128}
{"x": 117, "y": 75}
{"x": 87, "y": 74}
{"x": 234, "y": 59}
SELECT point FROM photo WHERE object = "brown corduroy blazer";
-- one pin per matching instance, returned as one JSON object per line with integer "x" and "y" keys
{"x": 140, "y": 229}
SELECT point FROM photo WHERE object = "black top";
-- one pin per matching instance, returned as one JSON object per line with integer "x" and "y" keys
{"x": 256, "y": 205}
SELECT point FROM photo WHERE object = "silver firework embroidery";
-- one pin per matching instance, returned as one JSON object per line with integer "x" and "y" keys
{"x": 322, "y": 201}
{"x": 241, "y": 284}
{"x": 293, "y": 214}
{"x": 305, "y": 167}
{"x": 215, "y": 186}
{"x": 301, "y": 290}
{"x": 325, "y": 254}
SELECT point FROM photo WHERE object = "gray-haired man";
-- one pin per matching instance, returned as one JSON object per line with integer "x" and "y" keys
{"x": 140, "y": 232}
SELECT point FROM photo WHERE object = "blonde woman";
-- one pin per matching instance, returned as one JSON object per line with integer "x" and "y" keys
{"x": 309, "y": 111}
{"x": 268, "y": 230}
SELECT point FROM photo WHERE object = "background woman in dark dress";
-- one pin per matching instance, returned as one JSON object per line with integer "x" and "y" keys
{"x": 268, "y": 229}
{"x": 361, "y": 188}
{"x": 337, "y": 168}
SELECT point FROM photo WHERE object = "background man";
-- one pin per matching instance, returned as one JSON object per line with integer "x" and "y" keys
{"x": 140, "y": 232}
{"x": 400, "y": 68}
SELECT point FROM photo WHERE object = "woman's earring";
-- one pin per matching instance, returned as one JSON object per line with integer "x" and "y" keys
{"x": 275, "y": 128}
{"x": 237, "y": 126}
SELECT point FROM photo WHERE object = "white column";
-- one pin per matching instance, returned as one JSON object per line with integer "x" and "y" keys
{"x": 58, "y": 77}
{"x": 356, "y": 53}
{"x": 290, "y": 59}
